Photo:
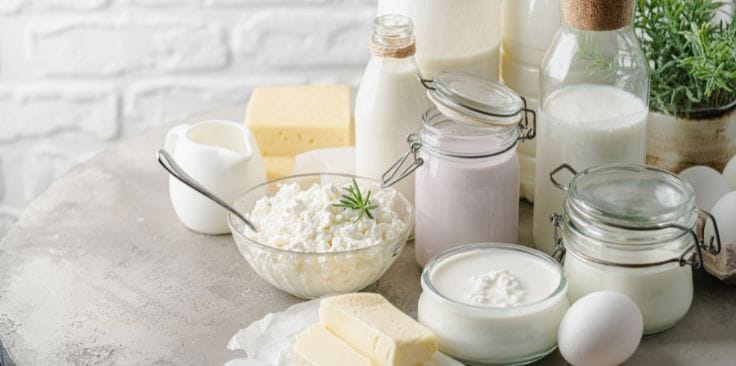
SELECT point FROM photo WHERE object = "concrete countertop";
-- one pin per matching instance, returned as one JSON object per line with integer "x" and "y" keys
{"x": 99, "y": 271}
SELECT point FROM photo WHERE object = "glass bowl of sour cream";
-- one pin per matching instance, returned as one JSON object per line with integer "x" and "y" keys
{"x": 493, "y": 304}
{"x": 309, "y": 246}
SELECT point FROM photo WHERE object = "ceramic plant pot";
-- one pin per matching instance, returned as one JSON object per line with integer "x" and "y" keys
{"x": 678, "y": 143}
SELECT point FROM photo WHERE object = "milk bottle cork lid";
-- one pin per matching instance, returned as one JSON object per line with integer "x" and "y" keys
{"x": 597, "y": 15}
{"x": 472, "y": 100}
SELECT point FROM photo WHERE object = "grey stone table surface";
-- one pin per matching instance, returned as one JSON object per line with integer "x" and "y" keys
{"x": 99, "y": 271}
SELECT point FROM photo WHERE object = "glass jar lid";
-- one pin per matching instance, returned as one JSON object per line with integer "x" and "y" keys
{"x": 631, "y": 195}
{"x": 470, "y": 99}
{"x": 631, "y": 216}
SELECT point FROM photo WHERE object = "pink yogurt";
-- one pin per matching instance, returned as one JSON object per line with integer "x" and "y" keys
{"x": 467, "y": 190}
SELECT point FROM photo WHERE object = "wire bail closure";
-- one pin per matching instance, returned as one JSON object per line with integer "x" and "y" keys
{"x": 559, "y": 169}
{"x": 559, "y": 252}
{"x": 394, "y": 174}
{"x": 525, "y": 131}
{"x": 692, "y": 256}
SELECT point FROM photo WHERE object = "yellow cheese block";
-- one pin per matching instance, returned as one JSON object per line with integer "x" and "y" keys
{"x": 377, "y": 329}
{"x": 288, "y": 120}
{"x": 278, "y": 166}
{"x": 320, "y": 347}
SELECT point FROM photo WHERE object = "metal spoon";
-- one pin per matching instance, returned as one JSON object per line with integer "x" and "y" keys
{"x": 168, "y": 162}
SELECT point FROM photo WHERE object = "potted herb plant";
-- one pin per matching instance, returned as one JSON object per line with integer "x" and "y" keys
{"x": 691, "y": 48}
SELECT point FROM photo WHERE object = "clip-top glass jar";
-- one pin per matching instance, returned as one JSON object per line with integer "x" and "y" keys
{"x": 632, "y": 229}
{"x": 467, "y": 170}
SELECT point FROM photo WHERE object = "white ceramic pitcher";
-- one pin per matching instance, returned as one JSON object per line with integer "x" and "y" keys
{"x": 223, "y": 157}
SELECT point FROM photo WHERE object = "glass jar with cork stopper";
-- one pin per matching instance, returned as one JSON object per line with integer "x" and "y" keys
{"x": 593, "y": 99}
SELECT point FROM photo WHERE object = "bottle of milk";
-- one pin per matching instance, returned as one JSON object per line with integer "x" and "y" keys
{"x": 528, "y": 29}
{"x": 453, "y": 35}
{"x": 390, "y": 101}
{"x": 594, "y": 90}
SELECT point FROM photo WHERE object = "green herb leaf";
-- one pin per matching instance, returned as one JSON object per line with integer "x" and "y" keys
{"x": 692, "y": 58}
{"x": 353, "y": 200}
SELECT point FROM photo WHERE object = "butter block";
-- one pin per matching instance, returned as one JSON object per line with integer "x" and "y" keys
{"x": 320, "y": 347}
{"x": 278, "y": 166}
{"x": 377, "y": 329}
{"x": 288, "y": 120}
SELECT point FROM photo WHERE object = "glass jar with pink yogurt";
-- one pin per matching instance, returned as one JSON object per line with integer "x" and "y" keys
{"x": 466, "y": 165}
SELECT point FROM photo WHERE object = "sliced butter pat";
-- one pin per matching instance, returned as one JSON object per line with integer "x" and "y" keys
{"x": 288, "y": 120}
{"x": 320, "y": 347}
{"x": 278, "y": 166}
{"x": 371, "y": 325}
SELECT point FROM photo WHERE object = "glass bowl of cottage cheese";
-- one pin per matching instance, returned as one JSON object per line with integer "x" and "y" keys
{"x": 310, "y": 246}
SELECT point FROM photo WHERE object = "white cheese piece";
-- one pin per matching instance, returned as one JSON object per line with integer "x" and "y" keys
{"x": 376, "y": 328}
{"x": 320, "y": 347}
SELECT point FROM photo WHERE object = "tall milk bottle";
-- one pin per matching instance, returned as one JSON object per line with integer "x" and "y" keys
{"x": 453, "y": 35}
{"x": 528, "y": 29}
{"x": 390, "y": 101}
{"x": 594, "y": 91}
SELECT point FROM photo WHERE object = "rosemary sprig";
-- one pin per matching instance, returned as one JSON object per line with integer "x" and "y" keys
{"x": 353, "y": 199}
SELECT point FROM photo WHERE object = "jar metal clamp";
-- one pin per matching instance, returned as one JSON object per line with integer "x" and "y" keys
{"x": 692, "y": 255}
{"x": 453, "y": 95}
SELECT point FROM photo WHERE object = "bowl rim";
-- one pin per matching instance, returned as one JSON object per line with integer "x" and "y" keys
{"x": 560, "y": 289}
{"x": 405, "y": 232}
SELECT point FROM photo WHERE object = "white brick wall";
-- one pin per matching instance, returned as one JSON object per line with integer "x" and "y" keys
{"x": 79, "y": 75}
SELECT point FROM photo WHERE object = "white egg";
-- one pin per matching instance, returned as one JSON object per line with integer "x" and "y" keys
{"x": 730, "y": 173}
{"x": 708, "y": 183}
{"x": 603, "y": 328}
{"x": 724, "y": 212}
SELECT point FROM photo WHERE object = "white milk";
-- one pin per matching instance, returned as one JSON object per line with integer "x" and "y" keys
{"x": 507, "y": 329}
{"x": 663, "y": 293}
{"x": 388, "y": 108}
{"x": 528, "y": 29}
{"x": 583, "y": 125}
{"x": 390, "y": 101}
{"x": 483, "y": 63}
{"x": 453, "y": 35}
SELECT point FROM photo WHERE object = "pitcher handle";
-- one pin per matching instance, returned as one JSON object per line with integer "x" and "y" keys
{"x": 172, "y": 137}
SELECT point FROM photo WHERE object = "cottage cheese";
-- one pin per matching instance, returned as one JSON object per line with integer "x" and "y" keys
{"x": 325, "y": 249}
{"x": 306, "y": 220}
{"x": 497, "y": 289}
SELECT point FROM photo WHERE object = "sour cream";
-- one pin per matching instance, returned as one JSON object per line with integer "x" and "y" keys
{"x": 494, "y": 303}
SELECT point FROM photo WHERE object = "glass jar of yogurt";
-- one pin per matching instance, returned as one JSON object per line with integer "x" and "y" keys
{"x": 632, "y": 229}
{"x": 467, "y": 169}
{"x": 492, "y": 304}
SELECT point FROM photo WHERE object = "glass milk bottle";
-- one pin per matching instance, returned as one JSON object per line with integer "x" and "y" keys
{"x": 453, "y": 35}
{"x": 528, "y": 29}
{"x": 594, "y": 91}
{"x": 390, "y": 100}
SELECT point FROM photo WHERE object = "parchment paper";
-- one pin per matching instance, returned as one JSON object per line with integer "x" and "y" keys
{"x": 269, "y": 341}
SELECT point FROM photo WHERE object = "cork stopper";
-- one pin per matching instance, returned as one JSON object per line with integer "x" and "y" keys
{"x": 597, "y": 15}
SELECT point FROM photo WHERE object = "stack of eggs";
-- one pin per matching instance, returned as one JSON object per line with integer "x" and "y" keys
{"x": 716, "y": 192}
